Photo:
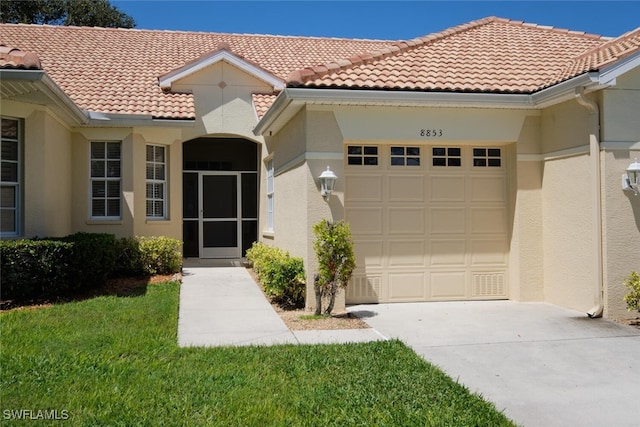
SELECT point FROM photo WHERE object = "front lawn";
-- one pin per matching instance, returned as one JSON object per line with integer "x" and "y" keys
{"x": 114, "y": 361}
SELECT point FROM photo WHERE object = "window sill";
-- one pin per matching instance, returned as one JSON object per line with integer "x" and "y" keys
{"x": 159, "y": 221}
{"x": 269, "y": 234}
{"x": 104, "y": 222}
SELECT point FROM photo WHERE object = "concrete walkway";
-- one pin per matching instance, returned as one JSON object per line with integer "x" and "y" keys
{"x": 542, "y": 364}
{"x": 223, "y": 306}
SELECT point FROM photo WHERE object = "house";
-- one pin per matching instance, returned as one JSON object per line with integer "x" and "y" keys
{"x": 487, "y": 161}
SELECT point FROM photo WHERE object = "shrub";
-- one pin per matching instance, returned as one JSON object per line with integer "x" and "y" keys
{"x": 128, "y": 258}
{"x": 336, "y": 261}
{"x": 282, "y": 276}
{"x": 93, "y": 260}
{"x": 160, "y": 255}
{"x": 34, "y": 268}
{"x": 46, "y": 268}
{"x": 633, "y": 297}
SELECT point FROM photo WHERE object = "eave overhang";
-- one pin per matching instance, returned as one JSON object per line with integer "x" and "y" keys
{"x": 36, "y": 87}
{"x": 291, "y": 100}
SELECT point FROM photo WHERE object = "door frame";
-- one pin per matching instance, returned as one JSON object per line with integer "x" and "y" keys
{"x": 222, "y": 252}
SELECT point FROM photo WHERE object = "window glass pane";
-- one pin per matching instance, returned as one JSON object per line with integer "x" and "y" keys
{"x": 8, "y": 220}
{"x": 354, "y": 150}
{"x": 413, "y": 161}
{"x": 437, "y": 151}
{"x": 479, "y": 162}
{"x": 494, "y": 162}
{"x": 10, "y": 150}
{"x": 150, "y": 153}
{"x": 113, "y": 189}
{"x": 8, "y": 197}
{"x": 454, "y": 162}
{"x": 371, "y": 161}
{"x": 439, "y": 161}
{"x": 9, "y": 172}
{"x": 98, "y": 189}
{"x": 479, "y": 152}
{"x": 354, "y": 160}
{"x": 158, "y": 154}
{"x": 98, "y": 207}
{"x": 397, "y": 151}
{"x": 97, "y": 150}
{"x": 494, "y": 152}
{"x": 453, "y": 151}
{"x": 413, "y": 151}
{"x": 113, "y": 168}
{"x": 372, "y": 151}
{"x": 397, "y": 161}
{"x": 150, "y": 170}
{"x": 113, "y": 150}
{"x": 159, "y": 172}
{"x": 9, "y": 129}
{"x": 98, "y": 169}
{"x": 113, "y": 207}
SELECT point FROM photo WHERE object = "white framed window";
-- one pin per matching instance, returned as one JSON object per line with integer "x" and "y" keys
{"x": 405, "y": 156}
{"x": 10, "y": 177}
{"x": 156, "y": 182}
{"x": 106, "y": 177}
{"x": 270, "y": 193}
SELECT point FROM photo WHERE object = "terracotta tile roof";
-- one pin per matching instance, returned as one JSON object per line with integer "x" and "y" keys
{"x": 11, "y": 57}
{"x": 488, "y": 55}
{"x": 116, "y": 70}
{"x": 262, "y": 102}
{"x": 604, "y": 54}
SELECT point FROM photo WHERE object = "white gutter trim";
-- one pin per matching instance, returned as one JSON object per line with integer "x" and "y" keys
{"x": 45, "y": 84}
{"x": 560, "y": 92}
{"x": 99, "y": 119}
{"x": 609, "y": 74}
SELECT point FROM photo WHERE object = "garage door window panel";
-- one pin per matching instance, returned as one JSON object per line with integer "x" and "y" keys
{"x": 405, "y": 156}
{"x": 362, "y": 155}
{"x": 487, "y": 157}
{"x": 446, "y": 156}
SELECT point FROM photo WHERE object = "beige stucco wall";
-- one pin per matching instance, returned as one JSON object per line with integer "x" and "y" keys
{"x": 222, "y": 94}
{"x": 568, "y": 213}
{"x": 46, "y": 170}
{"x": 621, "y": 209}
{"x": 47, "y": 176}
{"x": 298, "y": 205}
{"x": 622, "y": 231}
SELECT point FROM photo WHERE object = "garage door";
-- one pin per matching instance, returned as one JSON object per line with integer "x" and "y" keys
{"x": 429, "y": 222}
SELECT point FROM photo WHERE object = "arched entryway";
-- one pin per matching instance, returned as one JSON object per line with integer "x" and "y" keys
{"x": 220, "y": 197}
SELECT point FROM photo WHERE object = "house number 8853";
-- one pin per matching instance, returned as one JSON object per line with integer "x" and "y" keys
{"x": 434, "y": 133}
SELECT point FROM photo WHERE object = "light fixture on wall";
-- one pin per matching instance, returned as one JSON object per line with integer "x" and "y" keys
{"x": 631, "y": 179}
{"x": 327, "y": 182}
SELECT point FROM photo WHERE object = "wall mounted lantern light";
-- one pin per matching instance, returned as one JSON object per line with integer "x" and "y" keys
{"x": 327, "y": 182}
{"x": 631, "y": 179}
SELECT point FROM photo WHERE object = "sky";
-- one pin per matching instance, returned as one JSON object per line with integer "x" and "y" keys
{"x": 371, "y": 19}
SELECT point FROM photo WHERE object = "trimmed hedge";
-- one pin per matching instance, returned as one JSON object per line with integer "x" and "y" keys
{"x": 32, "y": 268}
{"x": 44, "y": 268}
{"x": 282, "y": 276}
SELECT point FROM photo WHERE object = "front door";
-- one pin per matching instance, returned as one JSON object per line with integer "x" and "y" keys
{"x": 220, "y": 219}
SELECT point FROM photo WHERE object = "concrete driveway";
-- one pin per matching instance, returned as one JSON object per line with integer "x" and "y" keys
{"x": 541, "y": 364}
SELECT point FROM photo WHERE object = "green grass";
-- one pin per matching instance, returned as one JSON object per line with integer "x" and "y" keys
{"x": 114, "y": 361}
